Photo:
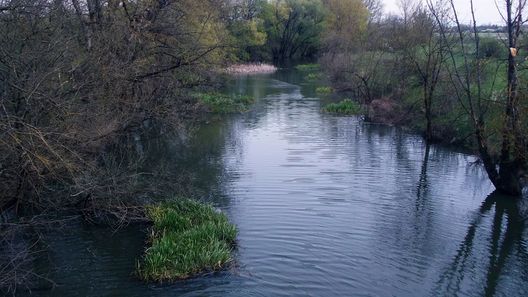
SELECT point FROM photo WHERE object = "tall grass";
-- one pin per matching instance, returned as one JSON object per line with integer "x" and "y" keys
{"x": 188, "y": 238}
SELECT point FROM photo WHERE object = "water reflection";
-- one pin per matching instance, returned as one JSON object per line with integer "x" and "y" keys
{"x": 504, "y": 243}
{"x": 186, "y": 162}
{"x": 422, "y": 188}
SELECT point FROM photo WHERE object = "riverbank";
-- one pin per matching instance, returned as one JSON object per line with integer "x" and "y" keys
{"x": 401, "y": 108}
{"x": 127, "y": 179}
{"x": 449, "y": 129}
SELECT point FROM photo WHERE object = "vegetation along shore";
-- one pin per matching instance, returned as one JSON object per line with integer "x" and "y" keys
{"x": 83, "y": 82}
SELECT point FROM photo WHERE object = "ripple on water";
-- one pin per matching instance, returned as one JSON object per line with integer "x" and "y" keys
{"x": 333, "y": 206}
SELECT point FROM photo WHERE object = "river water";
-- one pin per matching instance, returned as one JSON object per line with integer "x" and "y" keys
{"x": 324, "y": 205}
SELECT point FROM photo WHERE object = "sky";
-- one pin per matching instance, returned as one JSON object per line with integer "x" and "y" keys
{"x": 485, "y": 10}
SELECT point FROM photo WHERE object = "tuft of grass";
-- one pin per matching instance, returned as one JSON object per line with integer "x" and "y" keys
{"x": 308, "y": 67}
{"x": 222, "y": 103}
{"x": 346, "y": 106}
{"x": 314, "y": 76}
{"x": 323, "y": 90}
{"x": 187, "y": 238}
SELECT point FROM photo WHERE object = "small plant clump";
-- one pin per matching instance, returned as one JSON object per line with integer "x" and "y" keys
{"x": 314, "y": 76}
{"x": 346, "y": 106}
{"x": 187, "y": 238}
{"x": 222, "y": 103}
{"x": 308, "y": 67}
{"x": 323, "y": 90}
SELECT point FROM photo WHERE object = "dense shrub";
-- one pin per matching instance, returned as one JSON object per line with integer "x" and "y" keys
{"x": 492, "y": 48}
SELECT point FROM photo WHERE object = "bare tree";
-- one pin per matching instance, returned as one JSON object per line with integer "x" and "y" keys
{"x": 426, "y": 52}
{"x": 375, "y": 9}
{"x": 506, "y": 171}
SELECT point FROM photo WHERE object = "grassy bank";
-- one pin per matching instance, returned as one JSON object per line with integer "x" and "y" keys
{"x": 393, "y": 88}
{"x": 308, "y": 67}
{"x": 222, "y": 103}
{"x": 188, "y": 238}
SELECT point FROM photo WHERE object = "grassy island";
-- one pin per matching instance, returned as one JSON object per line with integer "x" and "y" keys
{"x": 222, "y": 103}
{"x": 346, "y": 107}
{"x": 187, "y": 238}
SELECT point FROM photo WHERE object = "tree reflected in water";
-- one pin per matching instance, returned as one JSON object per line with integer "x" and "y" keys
{"x": 421, "y": 189}
{"x": 505, "y": 241}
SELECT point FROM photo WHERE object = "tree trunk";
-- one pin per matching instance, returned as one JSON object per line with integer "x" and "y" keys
{"x": 85, "y": 30}
{"x": 510, "y": 179}
{"x": 428, "y": 114}
{"x": 512, "y": 153}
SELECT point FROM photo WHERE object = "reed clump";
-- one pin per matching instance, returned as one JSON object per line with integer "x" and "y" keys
{"x": 345, "y": 107}
{"x": 188, "y": 238}
{"x": 216, "y": 102}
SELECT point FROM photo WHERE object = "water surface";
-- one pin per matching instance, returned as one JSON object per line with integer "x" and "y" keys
{"x": 325, "y": 206}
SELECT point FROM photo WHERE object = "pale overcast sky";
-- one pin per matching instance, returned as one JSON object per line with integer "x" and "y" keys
{"x": 485, "y": 10}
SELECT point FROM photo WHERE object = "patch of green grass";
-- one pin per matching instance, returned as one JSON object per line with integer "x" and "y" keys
{"x": 222, "y": 103}
{"x": 314, "y": 76}
{"x": 308, "y": 67}
{"x": 346, "y": 106}
{"x": 323, "y": 90}
{"x": 188, "y": 238}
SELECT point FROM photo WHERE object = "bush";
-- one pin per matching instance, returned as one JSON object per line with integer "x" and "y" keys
{"x": 491, "y": 48}
{"x": 346, "y": 106}
{"x": 188, "y": 238}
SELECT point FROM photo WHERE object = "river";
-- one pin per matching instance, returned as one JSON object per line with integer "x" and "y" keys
{"x": 325, "y": 206}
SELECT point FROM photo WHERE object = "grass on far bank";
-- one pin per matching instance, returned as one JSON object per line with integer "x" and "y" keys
{"x": 308, "y": 67}
{"x": 188, "y": 238}
{"x": 324, "y": 90}
{"x": 346, "y": 107}
{"x": 313, "y": 76}
{"x": 223, "y": 103}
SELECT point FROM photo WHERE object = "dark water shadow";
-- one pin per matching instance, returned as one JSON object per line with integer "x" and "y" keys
{"x": 506, "y": 239}
{"x": 423, "y": 186}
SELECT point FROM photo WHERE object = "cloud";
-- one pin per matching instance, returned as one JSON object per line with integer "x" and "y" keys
{"x": 485, "y": 10}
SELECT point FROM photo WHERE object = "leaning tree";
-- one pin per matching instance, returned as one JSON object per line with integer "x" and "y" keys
{"x": 505, "y": 166}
